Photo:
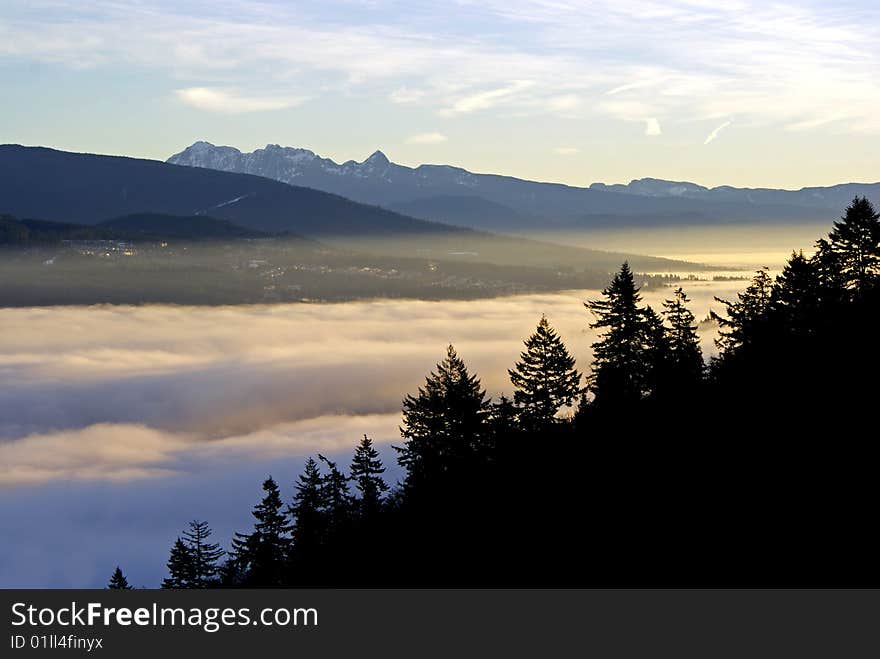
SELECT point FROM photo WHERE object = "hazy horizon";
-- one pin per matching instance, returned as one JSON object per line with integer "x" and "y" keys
{"x": 362, "y": 157}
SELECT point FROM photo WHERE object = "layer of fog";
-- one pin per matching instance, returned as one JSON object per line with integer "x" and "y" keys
{"x": 746, "y": 246}
{"x": 119, "y": 424}
{"x": 112, "y": 392}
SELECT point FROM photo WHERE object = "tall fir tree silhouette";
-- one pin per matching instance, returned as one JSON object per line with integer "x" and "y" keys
{"x": 544, "y": 378}
{"x": 503, "y": 418}
{"x": 366, "y": 472}
{"x": 263, "y": 553}
{"x": 798, "y": 295}
{"x": 855, "y": 242}
{"x": 657, "y": 354}
{"x": 444, "y": 424}
{"x": 620, "y": 370}
{"x": 336, "y": 499}
{"x": 746, "y": 317}
{"x": 832, "y": 279}
{"x": 205, "y": 555}
{"x": 307, "y": 511}
{"x": 118, "y": 581}
{"x": 180, "y": 567}
{"x": 686, "y": 366}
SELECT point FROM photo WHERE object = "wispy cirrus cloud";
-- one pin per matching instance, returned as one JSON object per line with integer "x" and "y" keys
{"x": 486, "y": 99}
{"x": 711, "y": 137}
{"x": 232, "y": 102}
{"x": 800, "y": 67}
{"x": 810, "y": 124}
{"x": 792, "y": 64}
{"x": 635, "y": 85}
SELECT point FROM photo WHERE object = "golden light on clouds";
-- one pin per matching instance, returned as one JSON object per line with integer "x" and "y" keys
{"x": 123, "y": 393}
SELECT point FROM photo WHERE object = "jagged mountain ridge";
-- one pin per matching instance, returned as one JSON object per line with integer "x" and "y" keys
{"x": 88, "y": 189}
{"x": 82, "y": 188}
{"x": 489, "y": 201}
{"x": 830, "y": 197}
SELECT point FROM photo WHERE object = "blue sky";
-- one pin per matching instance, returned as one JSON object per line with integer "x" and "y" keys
{"x": 748, "y": 93}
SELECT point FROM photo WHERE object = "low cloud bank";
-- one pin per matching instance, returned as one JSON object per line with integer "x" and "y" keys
{"x": 120, "y": 424}
{"x": 121, "y": 393}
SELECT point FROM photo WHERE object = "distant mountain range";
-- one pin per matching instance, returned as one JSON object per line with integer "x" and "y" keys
{"x": 87, "y": 189}
{"x": 492, "y": 202}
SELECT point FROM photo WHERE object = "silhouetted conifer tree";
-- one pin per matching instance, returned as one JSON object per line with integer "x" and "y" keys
{"x": 336, "y": 500}
{"x": 658, "y": 354}
{"x": 855, "y": 241}
{"x": 747, "y": 316}
{"x": 366, "y": 472}
{"x": 118, "y": 581}
{"x": 231, "y": 573}
{"x": 798, "y": 295}
{"x": 686, "y": 366}
{"x": 445, "y": 424}
{"x": 308, "y": 511}
{"x": 832, "y": 279}
{"x": 620, "y": 370}
{"x": 180, "y": 567}
{"x": 262, "y": 554}
{"x": 544, "y": 378}
{"x": 205, "y": 555}
{"x": 503, "y": 417}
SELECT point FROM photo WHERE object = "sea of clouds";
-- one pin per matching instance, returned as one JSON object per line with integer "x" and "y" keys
{"x": 120, "y": 424}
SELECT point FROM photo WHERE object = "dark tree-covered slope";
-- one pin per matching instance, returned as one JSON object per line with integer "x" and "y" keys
{"x": 88, "y": 189}
{"x": 192, "y": 227}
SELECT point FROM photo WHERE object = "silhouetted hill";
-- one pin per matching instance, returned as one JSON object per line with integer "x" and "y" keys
{"x": 193, "y": 227}
{"x": 466, "y": 209}
{"x": 42, "y": 232}
{"x": 130, "y": 227}
{"x": 87, "y": 189}
{"x": 828, "y": 197}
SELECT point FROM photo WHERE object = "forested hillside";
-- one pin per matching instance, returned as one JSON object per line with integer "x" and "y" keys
{"x": 757, "y": 468}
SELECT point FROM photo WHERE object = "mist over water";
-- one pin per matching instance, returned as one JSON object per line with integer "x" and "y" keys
{"x": 742, "y": 246}
{"x": 120, "y": 424}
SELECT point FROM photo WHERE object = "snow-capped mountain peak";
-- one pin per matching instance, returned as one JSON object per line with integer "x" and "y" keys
{"x": 442, "y": 190}
{"x": 377, "y": 158}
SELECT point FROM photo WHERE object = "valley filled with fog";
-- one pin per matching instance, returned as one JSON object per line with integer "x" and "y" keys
{"x": 743, "y": 246}
{"x": 113, "y": 415}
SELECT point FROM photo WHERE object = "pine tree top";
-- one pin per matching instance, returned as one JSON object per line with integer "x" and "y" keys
{"x": 450, "y": 383}
{"x": 544, "y": 378}
{"x": 118, "y": 581}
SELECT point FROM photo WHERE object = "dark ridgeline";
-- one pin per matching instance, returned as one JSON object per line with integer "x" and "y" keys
{"x": 140, "y": 226}
{"x": 502, "y": 203}
{"x": 758, "y": 470}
